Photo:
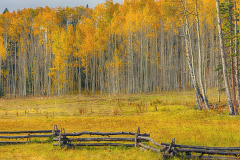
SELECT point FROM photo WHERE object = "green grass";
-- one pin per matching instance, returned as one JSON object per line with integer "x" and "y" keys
{"x": 164, "y": 115}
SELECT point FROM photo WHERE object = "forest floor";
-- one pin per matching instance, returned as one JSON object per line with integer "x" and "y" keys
{"x": 164, "y": 115}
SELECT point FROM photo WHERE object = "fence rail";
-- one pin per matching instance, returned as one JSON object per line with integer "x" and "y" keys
{"x": 96, "y": 139}
{"x": 102, "y": 133}
{"x": 20, "y": 132}
{"x": 202, "y": 147}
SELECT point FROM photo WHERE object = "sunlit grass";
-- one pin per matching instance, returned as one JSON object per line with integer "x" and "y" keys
{"x": 164, "y": 115}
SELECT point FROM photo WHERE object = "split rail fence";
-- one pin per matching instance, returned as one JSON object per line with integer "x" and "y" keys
{"x": 15, "y": 135}
{"x": 132, "y": 139}
{"x": 65, "y": 140}
{"x": 169, "y": 150}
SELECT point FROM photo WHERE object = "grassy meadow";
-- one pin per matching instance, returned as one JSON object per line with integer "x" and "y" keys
{"x": 164, "y": 115}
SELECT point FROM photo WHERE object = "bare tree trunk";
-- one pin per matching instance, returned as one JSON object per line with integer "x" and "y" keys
{"x": 79, "y": 77}
{"x": 102, "y": 62}
{"x": 45, "y": 72}
{"x": 231, "y": 55}
{"x": 15, "y": 75}
{"x": 128, "y": 64}
{"x": 94, "y": 77}
{"x": 231, "y": 109}
{"x": 146, "y": 62}
{"x": 86, "y": 79}
{"x": 141, "y": 62}
{"x": 162, "y": 56}
{"x": 190, "y": 60}
{"x": 200, "y": 59}
{"x": 50, "y": 66}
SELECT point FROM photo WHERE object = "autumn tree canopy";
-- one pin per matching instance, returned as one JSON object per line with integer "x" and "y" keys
{"x": 138, "y": 46}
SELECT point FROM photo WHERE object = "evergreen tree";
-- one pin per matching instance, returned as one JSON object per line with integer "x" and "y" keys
{"x": 5, "y": 10}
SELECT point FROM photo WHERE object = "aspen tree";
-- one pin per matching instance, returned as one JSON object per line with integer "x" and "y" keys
{"x": 200, "y": 58}
{"x": 189, "y": 53}
{"x": 231, "y": 56}
{"x": 236, "y": 56}
{"x": 220, "y": 34}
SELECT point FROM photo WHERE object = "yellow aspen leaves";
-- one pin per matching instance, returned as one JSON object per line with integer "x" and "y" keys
{"x": 2, "y": 48}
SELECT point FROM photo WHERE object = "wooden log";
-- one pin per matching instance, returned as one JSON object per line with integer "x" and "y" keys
{"x": 96, "y": 139}
{"x": 98, "y": 144}
{"x": 208, "y": 151}
{"x": 149, "y": 139}
{"x": 26, "y": 136}
{"x": 202, "y": 147}
{"x": 151, "y": 148}
{"x": 20, "y": 132}
{"x": 102, "y": 133}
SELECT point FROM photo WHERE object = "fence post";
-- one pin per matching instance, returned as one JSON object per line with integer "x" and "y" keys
{"x": 53, "y": 131}
{"x": 136, "y": 136}
{"x": 59, "y": 138}
{"x": 173, "y": 147}
{"x": 64, "y": 142}
{"x": 28, "y": 139}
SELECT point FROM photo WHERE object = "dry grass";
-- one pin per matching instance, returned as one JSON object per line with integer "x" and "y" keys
{"x": 164, "y": 115}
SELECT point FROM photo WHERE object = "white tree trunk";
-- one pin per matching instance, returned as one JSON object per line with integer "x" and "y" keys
{"x": 231, "y": 109}
{"x": 200, "y": 59}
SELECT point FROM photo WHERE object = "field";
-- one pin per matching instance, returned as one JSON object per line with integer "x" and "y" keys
{"x": 164, "y": 115}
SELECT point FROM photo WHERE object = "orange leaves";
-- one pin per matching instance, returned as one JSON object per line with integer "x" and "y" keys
{"x": 85, "y": 37}
{"x": 2, "y": 48}
{"x": 44, "y": 24}
{"x": 70, "y": 41}
{"x": 59, "y": 49}
{"x": 63, "y": 46}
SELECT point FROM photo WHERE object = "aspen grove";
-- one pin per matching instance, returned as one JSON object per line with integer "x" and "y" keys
{"x": 139, "y": 46}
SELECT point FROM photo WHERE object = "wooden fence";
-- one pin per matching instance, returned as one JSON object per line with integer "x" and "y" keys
{"x": 15, "y": 135}
{"x": 64, "y": 140}
{"x": 132, "y": 139}
{"x": 169, "y": 150}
